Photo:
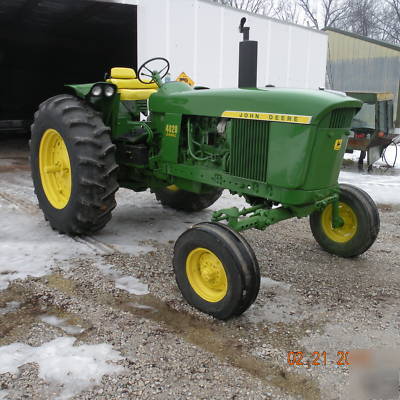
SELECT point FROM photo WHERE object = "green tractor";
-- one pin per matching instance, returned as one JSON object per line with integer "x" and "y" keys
{"x": 280, "y": 149}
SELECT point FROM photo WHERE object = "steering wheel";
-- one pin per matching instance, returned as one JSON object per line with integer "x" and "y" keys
{"x": 146, "y": 70}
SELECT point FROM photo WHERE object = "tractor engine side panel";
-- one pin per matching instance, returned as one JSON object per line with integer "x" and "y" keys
{"x": 289, "y": 152}
{"x": 289, "y": 163}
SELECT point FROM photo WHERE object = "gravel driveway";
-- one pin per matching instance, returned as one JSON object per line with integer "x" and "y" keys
{"x": 108, "y": 322}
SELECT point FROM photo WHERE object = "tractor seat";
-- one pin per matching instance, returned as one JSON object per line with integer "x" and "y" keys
{"x": 129, "y": 87}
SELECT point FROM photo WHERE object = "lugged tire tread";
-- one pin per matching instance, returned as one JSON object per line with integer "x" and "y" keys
{"x": 101, "y": 131}
{"x": 113, "y": 168}
{"x": 187, "y": 201}
{"x": 110, "y": 192}
{"x": 97, "y": 179}
{"x": 78, "y": 123}
{"x": 108, "y": 150}
{"x": 91, "y": 161}
{"x": 85, "y": 140}
{"x": 72, "y": 109}
{"x": 56, "y": 100}
{"x": 92, "y": 183}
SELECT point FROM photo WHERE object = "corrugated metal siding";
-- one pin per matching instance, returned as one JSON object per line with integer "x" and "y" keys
{"x": 343, "y": 47}
{"x": 359, "y": 65}
{"x": 202, "y": 39}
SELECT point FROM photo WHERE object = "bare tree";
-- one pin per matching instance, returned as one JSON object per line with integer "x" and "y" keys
{"x": 389, "y": 21}
{"x": 379, "y": 19}
{"x": 285, "y": 10}
{"x": 362, "y": 17}
{"x": 254, "y": 6}
{"x": 323, "y": 14}
{"x": 310, "y": 11}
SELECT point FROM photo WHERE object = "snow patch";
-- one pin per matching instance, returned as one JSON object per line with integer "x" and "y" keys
{"x": 284, "y": 305}
{"x": 383, "y": 184}
{"x": 62, "y": 324}
{"x": 10, "y": 307}
{"x": 140, "y": 218}
{"x": 384, "y": 189}
{"x": 3, "y": 394}
{"x": 132, "y": 285}
{"x": 392, "y": 158}
{"x": 74, "y": 368}
{"x": 125, "y": 282}
{"x": 141, "y": 306}
{"x": 29, "y": 247}
{"x": 269, "y": 283}
{"x": 392, "y": 155}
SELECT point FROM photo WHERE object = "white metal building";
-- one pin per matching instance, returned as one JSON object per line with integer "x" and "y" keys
{"x": 201, "y": 38}
{"x": 85, "y": 38}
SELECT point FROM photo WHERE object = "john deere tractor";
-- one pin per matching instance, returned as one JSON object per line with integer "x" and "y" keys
{"x": 280, "y": 149}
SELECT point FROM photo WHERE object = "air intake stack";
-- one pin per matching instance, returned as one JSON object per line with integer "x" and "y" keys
{"x": 248, "y": 50}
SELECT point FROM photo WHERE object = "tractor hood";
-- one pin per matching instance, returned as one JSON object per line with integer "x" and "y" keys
{"x": 269, "y": 103}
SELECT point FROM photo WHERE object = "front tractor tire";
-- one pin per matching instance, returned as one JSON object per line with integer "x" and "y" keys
{"x": 216, "y": 270}
{"x": 179, "y": 199}
{"x": 360, "y": 228}
{"x": 73, "y": 166}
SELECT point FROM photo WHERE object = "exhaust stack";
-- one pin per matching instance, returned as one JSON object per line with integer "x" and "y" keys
{"x": 248, "y": 50}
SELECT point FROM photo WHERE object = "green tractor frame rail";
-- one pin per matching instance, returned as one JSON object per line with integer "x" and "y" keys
{"x": 280, "y": 149}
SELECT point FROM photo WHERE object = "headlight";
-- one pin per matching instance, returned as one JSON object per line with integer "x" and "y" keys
{"x": 109, "y": 91}
{"x": 96, "y": 90}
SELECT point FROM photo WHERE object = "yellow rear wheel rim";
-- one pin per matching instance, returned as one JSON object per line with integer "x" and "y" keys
{"x": 344, "y": 233}
{"x": 55, "y": 169}
{"x": 206, "y": 275}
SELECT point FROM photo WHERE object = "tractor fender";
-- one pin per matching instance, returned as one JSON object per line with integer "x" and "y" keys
{"x": 79, "y": 90}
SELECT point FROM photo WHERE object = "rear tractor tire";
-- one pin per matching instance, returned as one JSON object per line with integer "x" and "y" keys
{"x": 361, "y": 224}
{"x": 73, "y": 166}
{"x": 216, "y": 270}
{"x": 179, "y": 199}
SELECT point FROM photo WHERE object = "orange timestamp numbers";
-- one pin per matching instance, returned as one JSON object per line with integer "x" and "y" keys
{"x": 320, "y": 358}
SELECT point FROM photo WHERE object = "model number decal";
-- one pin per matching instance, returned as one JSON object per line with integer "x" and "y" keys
{"x": 171, "y": 130}
{"x": 293, "y": 119}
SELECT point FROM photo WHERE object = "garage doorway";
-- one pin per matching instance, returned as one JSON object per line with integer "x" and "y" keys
{"x": 45, "y": 44}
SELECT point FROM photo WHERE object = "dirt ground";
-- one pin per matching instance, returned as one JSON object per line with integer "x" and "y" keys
{"x": 309, "y": 302}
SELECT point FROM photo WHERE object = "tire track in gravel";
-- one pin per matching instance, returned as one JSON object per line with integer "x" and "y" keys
{"x": 96, "y": 245}
{"x": 32, "y": 209}
{"x": 213, "y": 339}
{"x": 206, "y": 335}
{"x": 22, "y": 204}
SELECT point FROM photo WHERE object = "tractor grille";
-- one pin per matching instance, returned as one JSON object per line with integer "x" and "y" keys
{"x": 249, "y": 149}
{"x": 341, "y": 118}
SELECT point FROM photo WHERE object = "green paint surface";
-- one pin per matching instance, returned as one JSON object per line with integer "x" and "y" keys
{"x": 296, "y": 165}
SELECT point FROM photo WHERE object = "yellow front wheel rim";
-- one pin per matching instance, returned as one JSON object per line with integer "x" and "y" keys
{"x": 344, "y": 233}
{"x": 55, "y": 169}
{"x": 206, "y": 275}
